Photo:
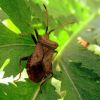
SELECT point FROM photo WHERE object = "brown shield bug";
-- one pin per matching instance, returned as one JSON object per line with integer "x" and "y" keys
{"x": 39, "y": 64}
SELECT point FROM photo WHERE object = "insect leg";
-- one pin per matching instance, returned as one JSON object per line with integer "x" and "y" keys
{"x": 41, "y": 83}
{"x": 34, "y": 39}
{"x": 49, "y": 76}
{"x": 44, "y": 80}
{"x": 20, "y": 65}
{"x": 55, "y": 51}
{"x": 36, "y": 32}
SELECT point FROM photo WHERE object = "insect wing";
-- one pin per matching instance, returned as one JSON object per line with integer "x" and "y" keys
{"x": 37, "y": 55}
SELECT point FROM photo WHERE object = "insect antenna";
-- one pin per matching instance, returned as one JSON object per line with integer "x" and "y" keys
{"x": 67, "y": 22}
{"x": 34, "y": 39}
{"x": 71, "y": 21}
{"x": 51, "y": 31}
{"x": 46, "y": 12}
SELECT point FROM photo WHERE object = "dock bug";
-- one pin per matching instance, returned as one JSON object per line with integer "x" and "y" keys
{"x": 39, "y": 64}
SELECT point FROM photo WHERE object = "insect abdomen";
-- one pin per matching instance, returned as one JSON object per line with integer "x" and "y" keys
{"x": 36, "y": 72}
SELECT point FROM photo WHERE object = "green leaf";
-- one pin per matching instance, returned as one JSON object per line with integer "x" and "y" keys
{"x": 20, "y": 91}
{"x": 89, "y": 59}
{"x": 3, "y": 15}
{"x": 18, "y": 12}
{"x": 76, "y": 70}
{"x": 12, "y": 47}
{"x": 81, "y": 78}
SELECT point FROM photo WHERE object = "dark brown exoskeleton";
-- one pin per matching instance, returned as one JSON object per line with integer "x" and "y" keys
{"x": 39, "y": 64}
